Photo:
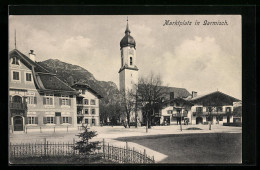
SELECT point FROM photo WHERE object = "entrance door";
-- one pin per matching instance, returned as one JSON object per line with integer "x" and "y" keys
{"x": 228, "y": 119}
{"x": 199, "y": 120}
{"x": 18, "y": 123}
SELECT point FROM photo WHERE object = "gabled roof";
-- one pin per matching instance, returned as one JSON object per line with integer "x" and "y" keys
{"x": 44, "y": 80}
{"x": 216, "y": 98}
{"x": 80, "y": 85}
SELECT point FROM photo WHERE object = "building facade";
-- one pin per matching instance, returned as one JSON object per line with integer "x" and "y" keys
{"x": 87, "y": 105}
{"x": 38, "y": 98}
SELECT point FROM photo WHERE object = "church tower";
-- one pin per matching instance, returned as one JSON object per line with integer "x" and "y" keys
{"x": 128, "y": 73}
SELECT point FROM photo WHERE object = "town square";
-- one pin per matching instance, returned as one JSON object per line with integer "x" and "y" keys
{"x": 125, "y": 92}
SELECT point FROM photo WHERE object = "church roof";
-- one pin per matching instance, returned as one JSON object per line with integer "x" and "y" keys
{"x": 127, "y": 40}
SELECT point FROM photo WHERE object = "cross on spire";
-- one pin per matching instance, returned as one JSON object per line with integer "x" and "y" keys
{"x": 127, "y": 31}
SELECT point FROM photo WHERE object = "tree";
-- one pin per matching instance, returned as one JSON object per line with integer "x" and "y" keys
{"x": 83, "y": 145}
{"x": 128, "y": 101}
{"x": 149, "y": 95}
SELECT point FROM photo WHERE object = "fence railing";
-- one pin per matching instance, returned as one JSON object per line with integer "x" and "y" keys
{"x": 49, "y": 149}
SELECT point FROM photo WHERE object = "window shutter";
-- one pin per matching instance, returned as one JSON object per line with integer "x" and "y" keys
{"x": 60, "y": 101}
{"x": 26, "y": 120}
{"x": 55, "y": 120}
{"x": 44, "y": 120}
{"x": 36, "y": 120}
{"x": 61, "y": 120}
{"x": 70, "y": 102}
{"x": 44, "y": 100}
{"x": 35, "y": 100}
{"x": 51, "y": 101}
{"x": 70, "y": 120}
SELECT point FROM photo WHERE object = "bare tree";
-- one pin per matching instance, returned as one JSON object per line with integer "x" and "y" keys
{"x": 149, "y": 94}
{"x": 128, "y": 100}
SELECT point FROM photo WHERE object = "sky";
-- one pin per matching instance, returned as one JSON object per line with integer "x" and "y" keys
{"x": 202, "y": 58}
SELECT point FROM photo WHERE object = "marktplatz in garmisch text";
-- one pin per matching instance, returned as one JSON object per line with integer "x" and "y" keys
{"x": 184, "y": 22}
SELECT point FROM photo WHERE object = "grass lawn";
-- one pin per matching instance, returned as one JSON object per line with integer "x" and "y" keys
{"x": 194, "y": 148}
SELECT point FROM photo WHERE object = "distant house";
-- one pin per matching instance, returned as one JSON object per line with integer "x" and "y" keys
{"x": 87, "y": 105}
{"x": 216, "y": 107}
{"x": 38, "y": 98}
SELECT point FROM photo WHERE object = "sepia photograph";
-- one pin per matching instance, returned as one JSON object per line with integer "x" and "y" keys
{"x": 125, "y": 89}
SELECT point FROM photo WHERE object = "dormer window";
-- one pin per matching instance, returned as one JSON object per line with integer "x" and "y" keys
{"x": 131, "y": 61}
{"x": 15, "y": 61}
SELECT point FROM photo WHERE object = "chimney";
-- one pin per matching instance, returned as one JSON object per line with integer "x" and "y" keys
{"x": 193, "y": 94}
{"x": 171, "y": 95}
{"x": 32, "y": 56}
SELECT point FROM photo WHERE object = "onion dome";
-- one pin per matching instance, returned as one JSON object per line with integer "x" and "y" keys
{"x": 127, "y": 40}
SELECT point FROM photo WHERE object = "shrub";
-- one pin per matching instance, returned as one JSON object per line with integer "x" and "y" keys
{"x": 84, "y": 146}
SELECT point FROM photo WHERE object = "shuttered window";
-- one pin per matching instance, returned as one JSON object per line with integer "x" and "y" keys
{"x": 65, "y": 100}
{"x": 31, "y": 100}
{"x": 86, "y": 101}
{"x": 49, "y": 120}
{"x": 65, "y": 119}
{"x": 48, "y": 99}
{"x": 93, "y": 111}
{"x": 32, "y": 120}
{"x": 92, "y": 102}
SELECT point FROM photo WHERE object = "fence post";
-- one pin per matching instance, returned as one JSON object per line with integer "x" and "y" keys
{"x": 126, "y": 146}
{"x": 144, "y": 156}
{"x": 26, "y": 130}
{"x": 44, "y": 146}
{"x": 40, "y": 129}
{"x": 47, "y": 148}
{"x": 67, "y": 128}
{"x": 153, "y": 159}
{"x": 54, "y": 129}
{"x": 108, "y": 150}
{"x": 103, "y": 147}
{"x": 73, "y": 146}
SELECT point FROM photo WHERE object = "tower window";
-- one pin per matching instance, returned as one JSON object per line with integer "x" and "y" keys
{"x": 131, "y": 61}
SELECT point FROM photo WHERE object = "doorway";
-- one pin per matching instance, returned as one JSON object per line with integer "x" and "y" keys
{"x": 18, "y": 123}
{"x": 199, "y": 120}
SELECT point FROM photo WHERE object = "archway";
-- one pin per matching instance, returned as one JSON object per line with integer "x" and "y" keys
{"x": 18, "y": 123}
{"x": 199, "y": 120}
{"x": 17, "y": 99}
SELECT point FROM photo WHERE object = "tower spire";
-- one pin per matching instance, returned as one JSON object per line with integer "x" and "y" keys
{"x": 127, "y": 30}
{"x": 15, "y": 38}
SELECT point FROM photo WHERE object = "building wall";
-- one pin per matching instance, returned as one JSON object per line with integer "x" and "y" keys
{"x": 90, "y": 96}
{"x": 38, "y": 109}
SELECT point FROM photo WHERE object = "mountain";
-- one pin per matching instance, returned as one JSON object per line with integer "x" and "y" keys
{"x": 72, "y": 73}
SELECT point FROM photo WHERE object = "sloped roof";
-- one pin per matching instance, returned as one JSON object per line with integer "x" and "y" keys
{"x": 80, "y": 85}
{"x": 44, "y": 80}
{"x": 178, "y": 92}
{"x": 216, "y": 98}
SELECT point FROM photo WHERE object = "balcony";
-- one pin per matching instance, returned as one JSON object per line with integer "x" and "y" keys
{"x": 212, "y": 113}
{"x": 18, "y": 106}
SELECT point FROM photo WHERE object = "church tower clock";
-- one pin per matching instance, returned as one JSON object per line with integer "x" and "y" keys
{"x": 128, "y": 73}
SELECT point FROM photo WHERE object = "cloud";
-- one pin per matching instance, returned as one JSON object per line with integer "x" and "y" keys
{"x": 199, "y": 64}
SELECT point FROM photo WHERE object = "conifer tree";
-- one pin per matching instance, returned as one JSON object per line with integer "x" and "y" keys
{"x": 84, "y": 146}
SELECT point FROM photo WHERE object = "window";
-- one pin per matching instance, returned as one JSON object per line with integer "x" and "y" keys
{"x": 65, "y": 119}
{"x": 169, "y": 111}
{"x": 50, "y": 120}
{"x": 65, "y": 100}
{"x": 16, "y": 75}
{"x": 219, "y": 109}
{"x": 86, "y": 121}
{"x": 92, "y": 102}
{"x": 86, "y": 101}
{"x": 48, "y": 99}
{"x": 32, "y": 120}
{"x": 15, "y": 61}
{"x": 228, "y": 109}
{"x": 83, "y": 91}
{"x": 209, "y": 109}
{"x": 131, "y": 61}
{"x": 28, "y": 77}
{"x": 93, "y": 111}
{"x": 31, "y": 100}
{"x": 93, "y": 121}
{"x": 199, "y": 109}
{"x": 86, "y": 111}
